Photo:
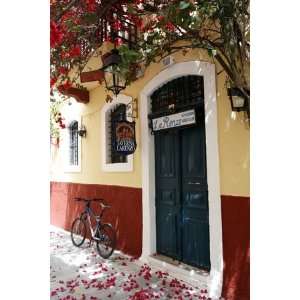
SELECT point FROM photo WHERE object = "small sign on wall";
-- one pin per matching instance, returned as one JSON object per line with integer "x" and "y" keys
{"x": 125, "y": 142}
{"x": 184, "y": 118}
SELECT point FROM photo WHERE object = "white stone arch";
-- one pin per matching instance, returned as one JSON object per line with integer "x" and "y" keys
{"x": 207, "y": 70}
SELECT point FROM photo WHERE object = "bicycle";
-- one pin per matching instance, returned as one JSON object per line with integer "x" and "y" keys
{"x": 103, "y": 234}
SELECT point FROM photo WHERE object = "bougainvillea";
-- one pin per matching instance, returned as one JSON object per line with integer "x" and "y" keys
{"x": 57, "y": 121}
{"x": 221, "y": 27}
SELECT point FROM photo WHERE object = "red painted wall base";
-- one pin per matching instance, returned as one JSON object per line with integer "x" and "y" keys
{"x": 125, "y": 214}
{"x": 236, "y": 247}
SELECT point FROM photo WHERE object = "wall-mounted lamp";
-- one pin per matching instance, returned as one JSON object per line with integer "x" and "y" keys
{"x": 82, "y": 131}
{"x": 114, "y": 80}
{"x": 239, "y": 101}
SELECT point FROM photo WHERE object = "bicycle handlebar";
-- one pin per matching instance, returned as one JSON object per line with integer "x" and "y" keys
{"x": 88, "y": 200}
{"x": 94, "y": 199}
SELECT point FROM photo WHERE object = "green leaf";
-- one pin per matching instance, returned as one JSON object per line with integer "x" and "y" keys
{"x": 90, "y": 18}
{"x": 130, "y": 9}
{"x": 184, "y": 5}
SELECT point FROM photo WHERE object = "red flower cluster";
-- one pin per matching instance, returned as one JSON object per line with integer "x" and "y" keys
{"x": 117, "y": 25}
{"x": 136, "y": 20}
{"x": 72, "y": 53}
{"x": 118, "y": 41}
{"x": 169, "y": 26}
{"x": 59, "y": 120}
{"x": 52, "y": 82}
{"x": 56, "y": 35}
{"x": 142, "y": 295}
{"x": 75, "y": 51}
{"x": 145, "y": 272}
{"x": 67, "y": 85}
{"x": 160, "y": 18}
{"x": 68, "y": 16}
{"x": 91, "y": 5}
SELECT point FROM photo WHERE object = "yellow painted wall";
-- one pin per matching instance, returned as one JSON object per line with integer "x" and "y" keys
{"x": 233, "y": 139}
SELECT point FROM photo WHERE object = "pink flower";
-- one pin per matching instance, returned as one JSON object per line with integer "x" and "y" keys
{"x": 118, "y": 41}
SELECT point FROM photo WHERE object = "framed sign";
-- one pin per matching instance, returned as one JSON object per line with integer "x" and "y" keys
{"x": 183, "y": 118}
{"x": 125, "y": 142}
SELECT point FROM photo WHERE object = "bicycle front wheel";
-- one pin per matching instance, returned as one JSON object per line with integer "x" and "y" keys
{"x": 107, "y": 240}
{"x": 78, "y": 232}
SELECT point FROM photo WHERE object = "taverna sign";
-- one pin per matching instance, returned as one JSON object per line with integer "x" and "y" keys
{"x": 125, "y": 137}
{"x": 184, "y": 118}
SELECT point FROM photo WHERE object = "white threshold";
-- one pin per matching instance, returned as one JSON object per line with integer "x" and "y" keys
{"x": 189, "y": 274}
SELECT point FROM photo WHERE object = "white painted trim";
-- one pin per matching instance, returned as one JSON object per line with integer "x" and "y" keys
{"x": 206, "y": 70}
{"x": 116, "y": 167}
{"x": 67, "y": 167}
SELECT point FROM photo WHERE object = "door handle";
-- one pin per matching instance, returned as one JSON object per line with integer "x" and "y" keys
{"x": 190, "y": 182}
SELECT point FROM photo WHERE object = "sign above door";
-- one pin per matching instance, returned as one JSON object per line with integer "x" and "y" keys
{"x": 181, "y": 119}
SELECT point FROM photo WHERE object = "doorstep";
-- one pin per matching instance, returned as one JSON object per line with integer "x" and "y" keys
{"x": 191, "y": 275}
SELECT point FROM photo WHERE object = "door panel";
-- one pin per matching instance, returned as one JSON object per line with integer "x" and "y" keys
{"x": 193, "y": 154}
{"x": 167, "y": 164}
{"x": 194, "y": 238}
{"x": 168, "y": 218}
{"x": 195, "y": 224}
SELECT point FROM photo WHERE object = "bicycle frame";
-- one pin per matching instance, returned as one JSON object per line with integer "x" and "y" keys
{"x": 89, "y": 213}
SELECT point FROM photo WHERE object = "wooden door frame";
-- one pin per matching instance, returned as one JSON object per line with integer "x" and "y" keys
{"x": 207, "y": 70}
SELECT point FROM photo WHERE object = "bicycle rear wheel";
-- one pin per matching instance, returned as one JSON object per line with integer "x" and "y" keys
{"x": 78, "y": 232}
{"x": 107, "y": 243}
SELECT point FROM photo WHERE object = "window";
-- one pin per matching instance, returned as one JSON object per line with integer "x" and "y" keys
{"x": 73, "y": 143}
{"x": 118, "y": 113}
{"x": 110, "y": 113}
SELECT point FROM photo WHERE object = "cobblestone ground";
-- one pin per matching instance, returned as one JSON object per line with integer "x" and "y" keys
{"x": 81, "y": 274}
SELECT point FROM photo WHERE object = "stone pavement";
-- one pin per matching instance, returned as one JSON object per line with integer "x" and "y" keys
{"x": 81, "y": 274}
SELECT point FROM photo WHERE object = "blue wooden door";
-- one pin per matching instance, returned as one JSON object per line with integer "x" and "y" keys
{"x": 194, "y": 198}
{"x": 168, "y": 197}
{"x": 182, "y": 223}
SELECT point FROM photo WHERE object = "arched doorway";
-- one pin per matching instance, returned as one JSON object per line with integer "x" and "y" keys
{"x": 181, "y": 193}
{"x": 207, "y": 71}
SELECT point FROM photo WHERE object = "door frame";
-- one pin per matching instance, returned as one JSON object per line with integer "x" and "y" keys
{"x": 207, "y": 70}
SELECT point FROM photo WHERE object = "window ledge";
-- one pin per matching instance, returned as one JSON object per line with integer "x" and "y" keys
{"x": 119, "y": 167}
{"x": 72, "y": 169}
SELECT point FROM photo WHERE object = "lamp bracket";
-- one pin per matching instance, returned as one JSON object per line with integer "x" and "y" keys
{"x": 132, "y": 109}
{"x": 82, "y": 131}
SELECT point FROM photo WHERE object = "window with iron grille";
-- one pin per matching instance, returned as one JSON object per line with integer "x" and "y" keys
{"x": 178, "y": 94}
{"x": 118, "y": 113}
{"x": 73, "y": 143}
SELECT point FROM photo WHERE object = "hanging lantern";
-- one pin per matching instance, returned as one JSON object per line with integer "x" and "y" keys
{"x": 237, "y": 99}
{"x": 114, "y": 80}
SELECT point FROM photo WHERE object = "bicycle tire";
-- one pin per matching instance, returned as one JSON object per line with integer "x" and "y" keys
{"x": 75, "y": 234}
{"x": 107, "y": 244}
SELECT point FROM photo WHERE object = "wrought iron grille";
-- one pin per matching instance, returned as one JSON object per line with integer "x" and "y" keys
{"x": 115, "y": 26}
{"x": 73, "y": 133}
{"x": 117, "y": 114}
{"x": 178, "y": 94}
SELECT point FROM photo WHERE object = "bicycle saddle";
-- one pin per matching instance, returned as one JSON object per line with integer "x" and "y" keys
{"x": 104, "y": 205}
